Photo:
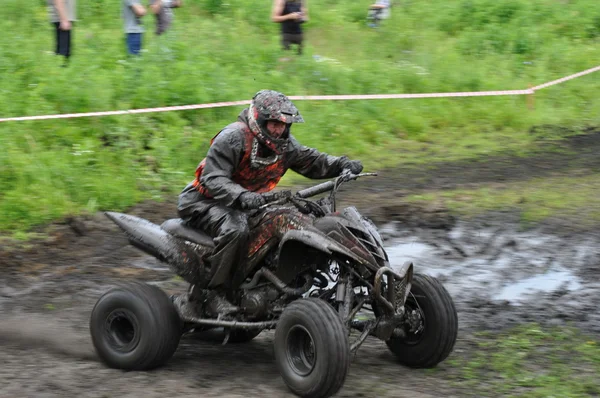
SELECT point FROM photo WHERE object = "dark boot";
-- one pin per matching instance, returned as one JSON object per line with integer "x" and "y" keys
{"x": 217, "y": 304}
{"x": 185, "y": 306}
{"x": 197, "y": 303}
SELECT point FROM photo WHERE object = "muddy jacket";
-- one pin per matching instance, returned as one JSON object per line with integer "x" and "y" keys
{"x": 237, "y": 162}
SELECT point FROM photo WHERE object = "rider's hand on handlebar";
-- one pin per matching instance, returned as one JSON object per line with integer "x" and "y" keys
{"x": 355, "y": 166}
{"x": 251, "y": 200}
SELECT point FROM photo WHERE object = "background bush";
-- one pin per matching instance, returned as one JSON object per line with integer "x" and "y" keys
{"x": 221, "y": 51}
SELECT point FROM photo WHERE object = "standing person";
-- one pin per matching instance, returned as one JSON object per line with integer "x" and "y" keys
{"x": 291, "y": 14}
{"x": 62, "y": 16}
{"x": 378, "y": 11}
{"x": 133, "y": 12}
{"x": 162, "y": 9}
{"x": 246, "y": 158}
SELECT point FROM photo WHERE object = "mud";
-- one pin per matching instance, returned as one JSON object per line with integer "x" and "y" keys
{"x": 498, "y": 275}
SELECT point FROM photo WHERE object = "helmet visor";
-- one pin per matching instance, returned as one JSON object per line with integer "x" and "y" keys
{"x": 290, "y": 118}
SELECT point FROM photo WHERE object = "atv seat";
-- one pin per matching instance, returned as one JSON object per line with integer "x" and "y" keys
{"x": 178, "y": 227}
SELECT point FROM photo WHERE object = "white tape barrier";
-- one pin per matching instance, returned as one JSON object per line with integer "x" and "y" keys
{"x": 564, "y": 79}
{"x": 306, "y": 97}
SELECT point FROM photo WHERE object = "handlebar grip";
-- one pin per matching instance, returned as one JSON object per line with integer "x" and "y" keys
{"x": 317, "y": 189}
{"x": 271, "y": 197}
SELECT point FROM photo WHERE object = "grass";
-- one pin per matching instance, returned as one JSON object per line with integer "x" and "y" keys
{"x": 220, "y": 52}
{"x": 536, "y": 199}
{"x": 528, "y": 361}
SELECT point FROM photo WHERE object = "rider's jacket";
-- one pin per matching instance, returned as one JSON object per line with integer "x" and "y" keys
{"x": 237, "y": 162}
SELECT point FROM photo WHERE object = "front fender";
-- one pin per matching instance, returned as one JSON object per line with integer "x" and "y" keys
{"x": 293, "y": 248}
{"x": 314, "y": 239}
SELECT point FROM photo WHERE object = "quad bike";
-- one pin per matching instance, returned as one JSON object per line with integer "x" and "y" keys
{"x": 313, "y": 274}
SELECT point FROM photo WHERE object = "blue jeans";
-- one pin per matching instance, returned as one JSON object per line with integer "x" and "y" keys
{"x": 134, "y": 43}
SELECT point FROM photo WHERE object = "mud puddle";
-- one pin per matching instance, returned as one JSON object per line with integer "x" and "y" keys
{"x": 499, "y": 276}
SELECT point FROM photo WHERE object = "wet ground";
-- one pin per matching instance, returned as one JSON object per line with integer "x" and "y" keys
{"x": 498, "y": 275}
{"x": 501, "y": 277}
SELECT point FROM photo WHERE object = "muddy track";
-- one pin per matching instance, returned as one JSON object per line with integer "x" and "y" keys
{"x": 48, "y": 288}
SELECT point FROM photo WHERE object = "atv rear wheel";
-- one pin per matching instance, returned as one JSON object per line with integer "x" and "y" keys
{"x": 311, "y": 348}
{"x": 135, "y": 327}
{"x": 432, "y": 339}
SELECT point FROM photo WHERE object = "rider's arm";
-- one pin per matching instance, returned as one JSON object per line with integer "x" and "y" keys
{"x": 221, "y": 161}
{"x": 314, "y": 164}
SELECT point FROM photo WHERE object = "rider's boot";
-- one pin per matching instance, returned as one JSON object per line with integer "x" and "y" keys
{"x": 185, "y": 305}
{"x": 218, "y": 305}
{"x": 213, "y": 303}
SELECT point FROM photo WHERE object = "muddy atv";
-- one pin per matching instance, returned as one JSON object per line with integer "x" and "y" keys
{"x": 314, "y": 274}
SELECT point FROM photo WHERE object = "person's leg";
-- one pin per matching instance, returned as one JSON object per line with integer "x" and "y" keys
{"x": 56, "y": 37}
{"x": 285, "y": 41}
{"x": 372, "y": 17}
{"x": 300, "y": 42}
{"x": 285, "y": 45}
{"x": 229, "y": 229}
{"x": 370, "y": 14}
{"x": 65, "y": 37}
{"x": 134, "y": 43}
{"x": 69, "y": 41}
{"x": 128, "y": 43}
{"x": 378, "y": 15}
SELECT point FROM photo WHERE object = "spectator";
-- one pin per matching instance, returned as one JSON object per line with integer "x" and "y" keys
{"x": 291, "y": 14}
{"x": 62, "y": 16}
{"x": 378, "y": 11}
{"x": 133, "y": 12}
{"x": 162, "y": 9}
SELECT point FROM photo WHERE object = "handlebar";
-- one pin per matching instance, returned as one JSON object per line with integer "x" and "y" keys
{"x": 271, "y": 197}
{"x": 316, "y": 190}
{"x": 323, "y": 187}
{"x": 346, "y": 175}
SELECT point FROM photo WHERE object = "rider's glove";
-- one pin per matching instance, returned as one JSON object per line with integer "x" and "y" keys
{"x": 251, "y": 200}
{"x": 355, "y": 166}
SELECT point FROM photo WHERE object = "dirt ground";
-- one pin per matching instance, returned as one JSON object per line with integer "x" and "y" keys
{"x": 49, "y": 286}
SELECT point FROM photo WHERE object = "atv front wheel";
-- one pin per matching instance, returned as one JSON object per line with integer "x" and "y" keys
{"x": 434, "y": 325}
{"x": 311, "y": 348}
{"x": 135, "y": 327}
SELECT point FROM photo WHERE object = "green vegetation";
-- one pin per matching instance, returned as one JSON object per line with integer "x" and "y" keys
{"x": 222, "y": 51}
{"x": 529, "y": 361}
{"x": 537, "y": 199}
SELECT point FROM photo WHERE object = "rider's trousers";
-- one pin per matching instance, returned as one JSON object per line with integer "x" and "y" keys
{"x": 227, "y": 226}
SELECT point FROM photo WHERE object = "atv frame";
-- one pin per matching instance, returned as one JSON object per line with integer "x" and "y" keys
{"x": 311, "y": 271}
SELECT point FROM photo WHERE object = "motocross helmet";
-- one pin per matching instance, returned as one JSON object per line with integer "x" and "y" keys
{"x": 272, "y": 105}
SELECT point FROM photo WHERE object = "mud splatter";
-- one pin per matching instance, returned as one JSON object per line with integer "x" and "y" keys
{"x": 37, "y": 331}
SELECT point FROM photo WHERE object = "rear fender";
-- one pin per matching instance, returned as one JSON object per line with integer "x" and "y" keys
{"x": 180, "y": 255}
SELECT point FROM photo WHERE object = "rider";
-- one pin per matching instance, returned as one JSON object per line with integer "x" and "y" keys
{"x": 245, "y": 159}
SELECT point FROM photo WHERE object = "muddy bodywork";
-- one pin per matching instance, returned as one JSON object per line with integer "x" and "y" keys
{"x": 182, "y": 255}
{"x": 295, "y": 245}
